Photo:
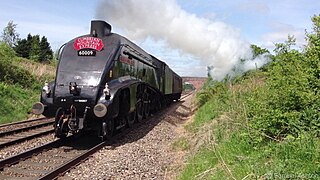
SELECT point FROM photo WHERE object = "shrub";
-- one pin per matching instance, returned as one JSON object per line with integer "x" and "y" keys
{"x": 10, "y": 73}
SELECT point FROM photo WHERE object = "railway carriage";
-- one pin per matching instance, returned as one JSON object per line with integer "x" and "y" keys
{"x": 105, "y": 82}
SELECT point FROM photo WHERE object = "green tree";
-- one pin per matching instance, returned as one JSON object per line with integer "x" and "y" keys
{"x": 35, "y": 48}
{"x": 22, "y": 48}
{"x": 284, "y": 48}
{"x": 46, "y": 52}
{"x": 313, "y": 38}
{"x": 312, "y": 61}
{"x": 258, "y": 50}
{"x": 291, "y": 105}
{"x": 29, "y": 39}
{"x": 29, "y": 44}
{"x": 9, "y": 34}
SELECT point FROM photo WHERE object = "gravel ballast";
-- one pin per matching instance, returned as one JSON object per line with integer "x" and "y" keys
{"x": 24, "y": 146}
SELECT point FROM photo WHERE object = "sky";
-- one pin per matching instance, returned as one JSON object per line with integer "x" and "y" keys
{"x": 263, "y": 23}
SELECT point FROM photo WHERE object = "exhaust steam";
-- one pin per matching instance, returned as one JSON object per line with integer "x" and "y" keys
{"x": 218, "y": 45}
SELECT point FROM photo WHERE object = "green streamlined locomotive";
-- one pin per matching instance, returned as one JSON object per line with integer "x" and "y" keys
{"x": 105, "y": 82}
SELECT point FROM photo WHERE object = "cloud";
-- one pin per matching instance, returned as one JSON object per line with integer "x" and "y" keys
{"x": 280, "y": 33}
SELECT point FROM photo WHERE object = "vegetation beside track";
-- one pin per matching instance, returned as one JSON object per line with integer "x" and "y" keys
{"x": 20, "y": 84}
{"x": 262, "y": 125}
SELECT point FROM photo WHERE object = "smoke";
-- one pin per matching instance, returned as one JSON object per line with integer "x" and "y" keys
{"x": 218, "y": 45}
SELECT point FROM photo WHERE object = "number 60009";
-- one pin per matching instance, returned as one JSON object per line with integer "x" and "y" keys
{"x": 86, "y": 53}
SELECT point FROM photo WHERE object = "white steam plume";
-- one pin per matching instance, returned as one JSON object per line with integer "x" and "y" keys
{"x": 215, "y": 43}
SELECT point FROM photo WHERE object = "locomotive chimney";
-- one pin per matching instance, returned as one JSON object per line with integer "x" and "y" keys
{"x": 100, "y": 28}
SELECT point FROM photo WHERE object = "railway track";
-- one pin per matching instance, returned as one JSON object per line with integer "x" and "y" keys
{"x": 55, "y": 158}
{"x": 50, "y": 160}
{"x": 22, "y": 131}
{"x": 22, "y": 124}
{"x": 186, "y": 95}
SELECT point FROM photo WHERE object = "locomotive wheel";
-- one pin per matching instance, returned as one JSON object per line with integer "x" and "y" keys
{"x": 60, "y": 129}
{"x": 108, "y": 129}
{"x": 131, "y": 118}
{"x": 139, "y": 111}
{"x": 146, "y": 110}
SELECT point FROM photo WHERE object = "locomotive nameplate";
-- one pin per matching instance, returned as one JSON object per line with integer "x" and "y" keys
{"x": 88, "y": 43}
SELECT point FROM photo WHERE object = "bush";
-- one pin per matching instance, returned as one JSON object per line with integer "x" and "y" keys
{"x": 291, "y": 104}
{"x": 210, "y": 90}
{"x": 10, "y": 73}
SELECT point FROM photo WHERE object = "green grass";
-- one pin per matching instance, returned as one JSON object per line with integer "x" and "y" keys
{"x": 201, "y": 166}
{"x": 16, "y": 102}
{"x": 20, "y": 84}
{"x": 181, "y": 144}
{"x": 232, "y": 154}
{"x": 204, "y": 115}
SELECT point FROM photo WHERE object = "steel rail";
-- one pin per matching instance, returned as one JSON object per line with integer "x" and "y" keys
{"x": 21, "y": 122}
{"x": 59, "y": 169}
{"x": 186, "y": 95}
{"x": 14, "y": 131}
{"x": 24, "y": 138}
{"x": 24, "y": 155}
{"x": 73, "y": 162}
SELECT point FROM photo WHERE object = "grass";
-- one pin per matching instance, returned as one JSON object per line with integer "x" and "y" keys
{"x": 181, "y": 144}
{"x": 16, "y": 102}
{"x": 232, "y": 155}
{"x": 20, "y": 84}
{"x": 41, "y": 71}
{"x": 201, "y": 166}
{"x": 244, "y": 160}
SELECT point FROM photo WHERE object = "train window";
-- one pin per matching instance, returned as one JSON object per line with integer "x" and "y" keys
{"x": 144, "y": 72}
{"x": 60, "y": 50}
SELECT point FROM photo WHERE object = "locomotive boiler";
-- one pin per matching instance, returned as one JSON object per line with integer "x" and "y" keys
{"x": 105, "y": 82}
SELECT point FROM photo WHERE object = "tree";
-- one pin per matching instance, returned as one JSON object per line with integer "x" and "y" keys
{"x": 46, "y": 52}
{"x": 23, "y": 47}
{"x": 9, "y": 34}
{"x": 29, "y": 39}
{"x": 284, "y": 48}
{"x": 35, "y": 48}
{"x": 258, "y": 50}
{"x": 209, "y": 69}
{"x": 313, "y": 54}
{"x": 313, "y": 38}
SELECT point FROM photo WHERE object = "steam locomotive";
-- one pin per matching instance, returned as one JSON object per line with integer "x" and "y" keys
{"x": 105, "y": 82}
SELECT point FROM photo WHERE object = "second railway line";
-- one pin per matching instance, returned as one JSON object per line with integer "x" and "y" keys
{"x": 25, "y": 131}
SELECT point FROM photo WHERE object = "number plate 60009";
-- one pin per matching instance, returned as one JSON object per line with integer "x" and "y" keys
{"x": 86, "y": 52}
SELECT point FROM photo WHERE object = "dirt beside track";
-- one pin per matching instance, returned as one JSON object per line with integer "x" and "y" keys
{"x": 145, "y": 152}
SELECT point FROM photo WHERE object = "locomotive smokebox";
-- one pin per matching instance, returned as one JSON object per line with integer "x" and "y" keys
{"x": 100, "y": 28}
